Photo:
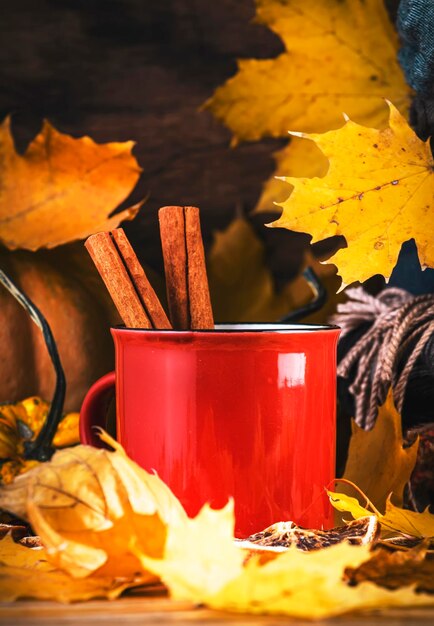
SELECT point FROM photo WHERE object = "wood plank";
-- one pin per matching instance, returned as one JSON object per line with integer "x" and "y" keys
{"x": 162, "y": 610}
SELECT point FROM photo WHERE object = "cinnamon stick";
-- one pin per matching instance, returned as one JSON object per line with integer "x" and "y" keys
{"x": 145, "y": 291}
{"x": 184, "y": 264}
{"x": 172, "y": 233}
{"x": 198, "y": 290}
{"x": 126, "y": 280}
{"x": 115, "y": 276}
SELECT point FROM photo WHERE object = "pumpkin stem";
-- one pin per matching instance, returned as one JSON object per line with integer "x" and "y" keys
{"x": 41, "y": 448}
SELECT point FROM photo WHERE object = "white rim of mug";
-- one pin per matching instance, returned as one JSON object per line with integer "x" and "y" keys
{"x": 247, "y": 327}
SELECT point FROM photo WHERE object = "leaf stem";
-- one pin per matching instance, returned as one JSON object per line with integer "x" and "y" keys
{"x": 357, "y": 489}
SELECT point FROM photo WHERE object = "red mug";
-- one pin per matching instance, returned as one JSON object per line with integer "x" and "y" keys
{"x": 242, "y": 411}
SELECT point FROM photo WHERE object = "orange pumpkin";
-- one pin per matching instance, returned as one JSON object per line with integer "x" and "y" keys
{"x": 64, "y": 285}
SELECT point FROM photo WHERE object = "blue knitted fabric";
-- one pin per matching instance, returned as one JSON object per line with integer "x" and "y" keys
{"x": 416, "y": 28}
{"x": 415, "y": 24}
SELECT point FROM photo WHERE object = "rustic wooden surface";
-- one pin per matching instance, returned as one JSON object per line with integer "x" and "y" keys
{"x": 167, "y": 612}
{"x": 128, "y": 69}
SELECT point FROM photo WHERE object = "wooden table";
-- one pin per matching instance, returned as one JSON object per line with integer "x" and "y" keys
{"x": 133, "y": 611}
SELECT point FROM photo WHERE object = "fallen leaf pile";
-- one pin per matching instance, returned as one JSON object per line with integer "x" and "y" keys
{"x": 106, "y": 525}
{"x": 22, "y": 422}
{"x": 339, "y": 56}
{"x": 201, "y": 565}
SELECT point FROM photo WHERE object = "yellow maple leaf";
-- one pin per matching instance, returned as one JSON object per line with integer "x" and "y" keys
{"x": 309, "y": 585}
{"x": 377, "y": 461}
{"x": 200, "y": 556}
{"x": 242, "y": 287}
{"x": 62, "y": 188}
{"x": 395, "y": 519}
{"x": 377, "y": 193}
{"x": 301, "y": 158}
{"x": 26, "y": 573}
{"x": 339, "y": 56}
{"x": 201, "y": 564}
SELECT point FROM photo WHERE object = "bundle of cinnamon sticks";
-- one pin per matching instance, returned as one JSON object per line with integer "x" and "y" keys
{"x": 184, "y": 264}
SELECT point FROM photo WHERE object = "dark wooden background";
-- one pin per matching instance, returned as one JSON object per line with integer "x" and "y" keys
{"x": 141, "y": 69}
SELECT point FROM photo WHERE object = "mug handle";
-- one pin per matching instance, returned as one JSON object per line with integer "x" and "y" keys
{"x": 94, "y": 410}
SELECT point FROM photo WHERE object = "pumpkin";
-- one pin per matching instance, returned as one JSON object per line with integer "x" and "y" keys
{"x": 64, "y": 285}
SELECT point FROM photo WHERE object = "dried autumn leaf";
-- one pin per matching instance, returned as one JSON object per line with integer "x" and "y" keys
{"x": 396, "y": 569}
{"x": 242, "y": 287}
{"x": 377, "y": 461}
{"x": 93, "y": 509}
{"x": 62, "y": 188}
{"x": 377, "y": 193}
{"x": 332, "y": 62}
{"x": 308, "y": 585}
{"x": 26, "y": 573}
{"x": 57, "y": 585}
{"x": 408, "y": 522}
{"x": 394, "y": 519}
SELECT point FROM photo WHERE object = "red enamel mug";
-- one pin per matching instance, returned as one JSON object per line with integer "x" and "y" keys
{"x": 242, "y": 411}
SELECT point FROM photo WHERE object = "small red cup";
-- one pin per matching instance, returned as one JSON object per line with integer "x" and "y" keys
{"x": 242, "y": 411}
